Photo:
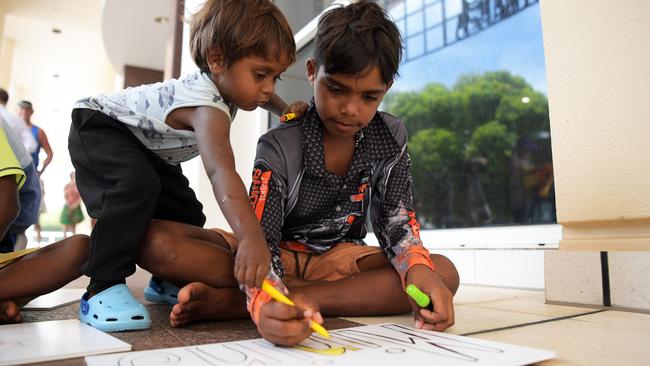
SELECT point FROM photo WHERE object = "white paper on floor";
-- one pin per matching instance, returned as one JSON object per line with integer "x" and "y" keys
{"x": 53, "y": 300}
{"x": 384, "y": 344}
{"x": 54, "y": 340}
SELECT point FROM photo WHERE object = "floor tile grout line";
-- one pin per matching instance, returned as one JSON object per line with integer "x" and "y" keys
{"x": 485, "y": 307}
{"x": 173, "y": 334}
{"x": 533, "y": 323}
{"x": 496, "y": 300}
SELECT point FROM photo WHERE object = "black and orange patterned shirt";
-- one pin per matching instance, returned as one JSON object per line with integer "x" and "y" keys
{"x": 297, "y": 199}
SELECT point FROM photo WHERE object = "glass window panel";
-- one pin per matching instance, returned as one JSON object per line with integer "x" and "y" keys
{"x": 413, "y": 6}
{"x": 433, "y": 15}
{"x": 414, "y": 23}
{"x": 401, "y": 25}
{"x": 415, "y": 46}
{"x": 454, "y": 7}
{"x": 453, "y": 32}
{"x": 396, "y": 9}
{"x": 435, "y": 39}
{"x": 477, "y": 116}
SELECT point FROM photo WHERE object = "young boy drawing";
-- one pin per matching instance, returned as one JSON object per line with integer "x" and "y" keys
{"x": 127, "y": 147}
{"x": 314, "y": 183}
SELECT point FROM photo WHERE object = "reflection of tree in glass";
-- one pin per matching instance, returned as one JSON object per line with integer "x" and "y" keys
{"x": 439, "y": 150}
{"x": 469, "y": 145}
{"x": 493, "y": 143}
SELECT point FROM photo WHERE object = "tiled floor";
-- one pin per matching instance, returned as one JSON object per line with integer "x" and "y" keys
{"x": 579, "y": 336}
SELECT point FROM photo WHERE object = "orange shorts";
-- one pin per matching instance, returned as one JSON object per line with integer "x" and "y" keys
{"x": 332, "y": 265}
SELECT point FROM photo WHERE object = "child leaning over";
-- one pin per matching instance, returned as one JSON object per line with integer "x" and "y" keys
{"x": 127, "y": 149}
{"x": 314, "y": 184}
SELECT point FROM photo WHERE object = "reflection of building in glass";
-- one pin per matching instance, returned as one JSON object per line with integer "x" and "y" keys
{"x": 429, "y": 25}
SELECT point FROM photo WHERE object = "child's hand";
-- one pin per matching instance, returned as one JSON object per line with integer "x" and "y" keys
{"x": 286, "y": 325}
{"x": 442, "y": 316}
{"x": 252, "y": 262}
{"x": 299, "y": 108}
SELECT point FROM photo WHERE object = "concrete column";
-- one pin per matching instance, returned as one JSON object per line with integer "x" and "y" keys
{"x": 598, "y": 85}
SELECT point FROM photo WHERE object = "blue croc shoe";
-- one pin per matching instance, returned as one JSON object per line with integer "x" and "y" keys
{"x": 161, "y": 291}
{"x": 114, "y": 310}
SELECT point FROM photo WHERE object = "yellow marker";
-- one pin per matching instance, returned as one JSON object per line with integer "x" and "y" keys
{"x": 279, "y": 296}
{"x": 287, "y": 117}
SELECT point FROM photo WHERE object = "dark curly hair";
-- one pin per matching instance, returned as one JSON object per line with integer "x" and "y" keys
{"x": 240, "y": 28}
{"x": 352, "y": 39}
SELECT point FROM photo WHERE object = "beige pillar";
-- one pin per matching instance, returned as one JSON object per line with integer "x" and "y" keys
{"x": 598, "y": 87}
{"x": 598, "y": 68}
{"x": 6, "y": 61}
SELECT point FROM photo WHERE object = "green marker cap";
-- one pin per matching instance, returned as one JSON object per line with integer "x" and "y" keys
{"x": 420, "y": 297}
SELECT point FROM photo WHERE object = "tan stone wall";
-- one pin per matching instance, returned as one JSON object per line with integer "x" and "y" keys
{"x": 597, "y": 61}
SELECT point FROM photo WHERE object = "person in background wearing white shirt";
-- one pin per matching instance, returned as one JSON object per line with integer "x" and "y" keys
{"x": 16, "y": 123}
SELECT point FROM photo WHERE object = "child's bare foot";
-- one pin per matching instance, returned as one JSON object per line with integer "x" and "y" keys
{"x": 199, "y": 302}
{"x": 9, "y": 312}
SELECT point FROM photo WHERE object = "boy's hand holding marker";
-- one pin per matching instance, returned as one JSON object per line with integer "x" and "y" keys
{"x": 432, "y": 302}
{"x": 285, "y": 322}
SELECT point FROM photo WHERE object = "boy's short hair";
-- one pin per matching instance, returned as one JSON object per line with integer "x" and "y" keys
{"x": 353, "y": 38}
{"x": 25, "y": 104}
{"x": 240, "y": 28}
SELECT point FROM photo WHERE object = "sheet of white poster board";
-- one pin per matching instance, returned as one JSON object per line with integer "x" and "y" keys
{"x": 54, "y": 340}
{"x": 384, "y": 344}
{"x": 53, "y": 300}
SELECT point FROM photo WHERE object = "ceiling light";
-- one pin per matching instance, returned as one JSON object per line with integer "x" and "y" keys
{"x": 56, "y": 30}
{"x": 161, "y": 19}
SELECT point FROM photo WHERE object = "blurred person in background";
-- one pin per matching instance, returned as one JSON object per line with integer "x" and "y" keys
{"x": 17, "y": 124}
{"x": 25, "y": 111}
{"x": 71, "y": 214}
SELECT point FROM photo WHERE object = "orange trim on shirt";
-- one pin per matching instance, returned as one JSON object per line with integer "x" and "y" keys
{"x": 294, "y": 246}
{"x": 259, "y": 191}
{"x": 357, "y": 197}
{"x": 414, "y": 224}
{"x": 258, "y": 298}
{"x": 350, "y": 219}
{"x": 363, "y": 187}
{"x": 414, "y": 255}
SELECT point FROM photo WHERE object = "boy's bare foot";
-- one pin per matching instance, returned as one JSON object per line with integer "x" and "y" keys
{"x": 200, "y": 302}
{"x": 9, "y": 312}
